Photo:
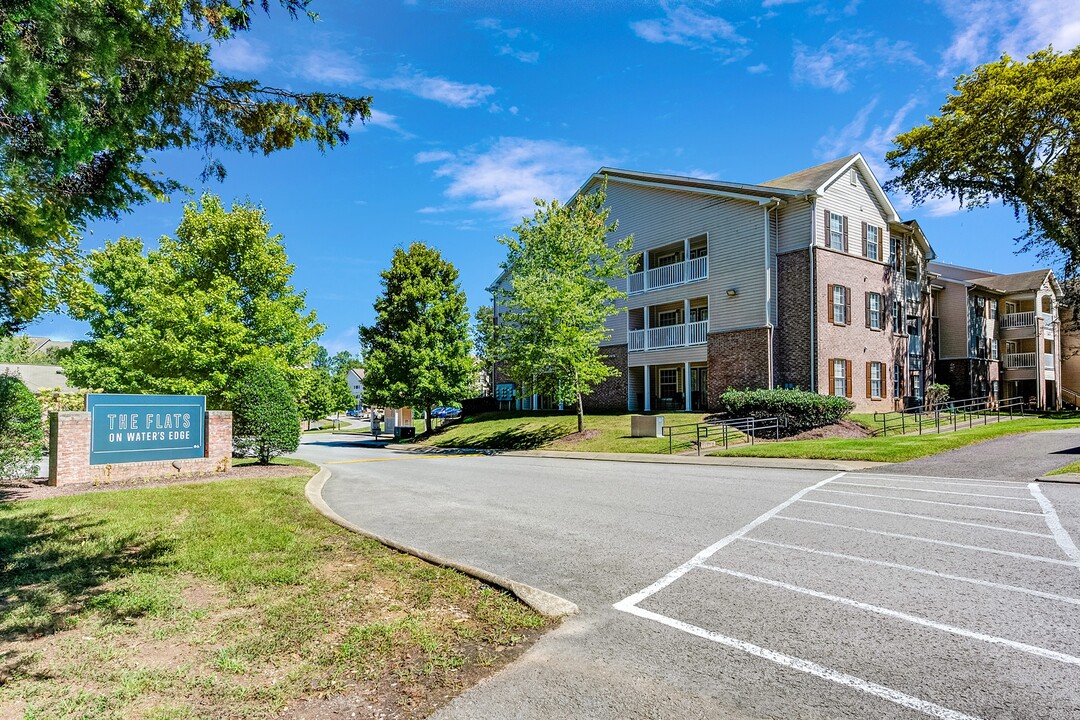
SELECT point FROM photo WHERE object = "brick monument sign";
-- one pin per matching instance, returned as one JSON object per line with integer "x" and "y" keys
{"x": 124, "y": 437}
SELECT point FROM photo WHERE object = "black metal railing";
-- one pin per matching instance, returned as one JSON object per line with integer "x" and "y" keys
{"x": 724, "y": 431}
{"x": 951, "y": 415}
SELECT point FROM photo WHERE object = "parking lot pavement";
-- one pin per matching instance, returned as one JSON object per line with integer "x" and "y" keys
{"x": 903, "y": 596}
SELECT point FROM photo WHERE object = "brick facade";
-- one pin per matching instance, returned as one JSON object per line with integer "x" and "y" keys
{"x": 854, "y": 341}
{"x": 69, "y": 452}
{"x": 612, "y": 393}
{"x": 793, "y": 318}
{"x": 737, "y": 359}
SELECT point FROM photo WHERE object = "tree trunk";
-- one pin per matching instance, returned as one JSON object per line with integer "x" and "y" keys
{"x": 580, "y": 414}
{"x": 427, "y": 419}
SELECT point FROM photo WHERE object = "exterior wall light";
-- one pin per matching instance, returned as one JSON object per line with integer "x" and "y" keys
{"x": 731, "y": 292}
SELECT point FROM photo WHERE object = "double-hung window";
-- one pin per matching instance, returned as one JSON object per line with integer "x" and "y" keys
{"x": 841, "y": 378}
{"x": 874, "y": 373}
{"x": 839, "y": 305}
{"x": 873, "y": 242}
{"x": 874, "y": 305}
{"x": 836, "y": 231}
{"x": 898, "y": 381}
{"x": 897, "y": 253}
{"x": 898, "y": 317}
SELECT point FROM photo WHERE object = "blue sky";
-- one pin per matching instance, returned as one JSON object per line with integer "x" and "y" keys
{"x": 479, "y": 106}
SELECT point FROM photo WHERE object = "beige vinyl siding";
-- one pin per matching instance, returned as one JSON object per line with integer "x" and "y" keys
{"x": 657, "y": 217}
{"x": 674, "y": 356}
{"x": 793, "y": 231}
{"x": 952, "y": 310}
{"x": 858, "y": 204}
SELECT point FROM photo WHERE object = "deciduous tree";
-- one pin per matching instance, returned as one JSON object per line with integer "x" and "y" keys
{"x": 1010, "y": 132}
{"x": 180, "y": 319}
{"x": 417, "y": 352}
{"x": 266, "y": 422}
{"x": 561, "y": 287}
{"x": 90, "y": 90}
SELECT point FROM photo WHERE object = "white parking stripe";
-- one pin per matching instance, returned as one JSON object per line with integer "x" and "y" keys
{"x": 922, "y": 571}
{"x": 914, "y": 619}
{"x": 930, "y": 518}
{"x": 995, "y": 551}
{"x": 937, "y": 492}
{"x": 1061, "y": 536}
{"x": 938, "y": 480}
{"x": 933, "y": 502}
{"x": 806, "y": 666}
{"x": 678, "y": 572}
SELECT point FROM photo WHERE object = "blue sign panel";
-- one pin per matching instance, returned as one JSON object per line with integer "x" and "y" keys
{"x": 142, "y": 428}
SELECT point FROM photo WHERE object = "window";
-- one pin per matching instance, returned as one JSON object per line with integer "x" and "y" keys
{"x": 667, "y": 318}
{"x": 836, "y": 231}
{"x": 839, "y": 305}
{"x": 898, "y": 381}
{"x": 873, "y": 311}
{"x": 1010, "y": 308}
{"x": 699, "y": 314}
{"x": 873, "y": 242}
{"x": 916, "y": 385}
{"x": 898, "y": 317}
{"x": 896, "y": 252}
{"x": 669, "y": 382}
{"x": 994, "y": 350}
{"x": 993, "y": 308}
{"x": 669, "y": 259}
{"x": 841, "y": 378}
{"x": 980, "y": 306}
{"x": 874, "y": 373}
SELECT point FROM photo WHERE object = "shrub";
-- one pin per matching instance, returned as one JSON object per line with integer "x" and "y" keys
{"x": 21, "y": 437}
{"x": 266, "y": 422}
{"x": 801, "y": 410}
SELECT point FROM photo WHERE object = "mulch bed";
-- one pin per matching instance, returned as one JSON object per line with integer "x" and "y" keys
{"x": 38, "y": 488}
{"x": 842, "y": 429}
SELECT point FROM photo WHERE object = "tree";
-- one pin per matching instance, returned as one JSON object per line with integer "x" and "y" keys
{"x": 1009, "y": 133}
{"x": 21, "y": 434}
{"x": 89, "y": 90}
{"x": 417, "y": 352}
{"x": 484, "y": 344}
{"x": 561, "y": 290}
{"x": 265, "y": 419}
{"x": 181, "y": 319}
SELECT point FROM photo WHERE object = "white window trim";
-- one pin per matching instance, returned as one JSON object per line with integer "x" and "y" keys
{"x": 837, "y": 220}
{"x": 660, "y": 314}
{"x": 875, "y": 367}
{"x": 839, "y": 377}
{"x": 873, "y": 229}
{"x": 839, "y": 308}
{"x": 878, "y": 325}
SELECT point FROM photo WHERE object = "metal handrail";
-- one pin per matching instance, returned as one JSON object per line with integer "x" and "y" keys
{"x": 928, "y": 418}
{"x": 726, "y": 430}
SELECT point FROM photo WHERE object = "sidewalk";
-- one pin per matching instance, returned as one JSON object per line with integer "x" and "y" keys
{"x": 774, "y": 463}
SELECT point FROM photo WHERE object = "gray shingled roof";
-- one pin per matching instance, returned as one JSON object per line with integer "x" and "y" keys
{"x": 810, "y": 178}
{"x": 1016, "y": 282}
{"x": 37, "y": 377}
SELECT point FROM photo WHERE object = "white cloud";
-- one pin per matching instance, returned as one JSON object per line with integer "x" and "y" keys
{"x": 495, "y": 27}
{"x": 873, "y": 141}
{"x": 331, "y": 67}
{"x": 439, "y": 89}
{"x": 508, "y": 175}
{"x": 531, "y": 56}
{"x": 759, "y": 68}
{"x": 829, "y": 66}
{"x": 240, "y": 55}
{"x": 683, "y": 25}
{"x": 696, "y": 173}
{"x": 985, "y": 29}
{"x": 386, "y": 120}
{"x": 774, "y": 3}
{"x": 432, "y": 156}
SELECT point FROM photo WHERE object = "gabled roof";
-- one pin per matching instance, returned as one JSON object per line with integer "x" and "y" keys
{"x": 818, "y": 178}
{"x": 358, "y": 372}
{"x": 712, "y": 187}
{"x": 1016, "y": 282}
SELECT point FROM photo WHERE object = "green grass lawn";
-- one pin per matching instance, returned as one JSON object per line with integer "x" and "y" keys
{"x": 556, "y": 431}
{"x": 229, "y": 599}
{"x": 1069, "y": 469}
{"x": 900, "y": 448}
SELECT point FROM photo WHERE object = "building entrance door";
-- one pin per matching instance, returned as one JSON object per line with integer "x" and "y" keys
{"x": 699, "y": 385}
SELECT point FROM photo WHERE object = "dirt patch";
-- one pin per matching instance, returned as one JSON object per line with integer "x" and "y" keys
{"x": 842, "y": 429}
{"x": 38, "y": 488}
{"x": 576, "y": 437}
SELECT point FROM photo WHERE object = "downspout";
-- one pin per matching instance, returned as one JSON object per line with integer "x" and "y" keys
{"x": 813, "y": 293}
{"x": 768, "y": 205}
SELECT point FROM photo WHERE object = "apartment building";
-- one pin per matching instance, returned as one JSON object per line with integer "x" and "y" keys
{"x": 810, "y": 280}
{"x": 998, "y": 335}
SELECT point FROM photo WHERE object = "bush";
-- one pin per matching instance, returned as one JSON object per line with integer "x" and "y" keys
{"x": 801, "y": 410}
{"x": 21, "y": 437}
{"x": 266, "y": 422}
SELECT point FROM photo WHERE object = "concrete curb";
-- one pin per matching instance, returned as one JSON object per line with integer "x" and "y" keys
{"x": 543, "y": 602}
{"x": 1060, "y": 479}
{"x": 752, "y": 462}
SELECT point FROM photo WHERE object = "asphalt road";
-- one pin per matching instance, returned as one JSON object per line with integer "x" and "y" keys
{"x": 716, "y": 592}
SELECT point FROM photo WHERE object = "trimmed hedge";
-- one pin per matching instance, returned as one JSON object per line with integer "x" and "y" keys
{"x": 21, "y": 435}
{"x": 800, "y": 409}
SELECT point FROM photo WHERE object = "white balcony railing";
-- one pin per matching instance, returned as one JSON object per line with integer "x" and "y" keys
{"x": 668, "y": 275}
{"x": 670, "y": 336}
{"x": 1048, "y": 361}
{"x": 1018, "y": 319}
{"x": 1016, "y": 361}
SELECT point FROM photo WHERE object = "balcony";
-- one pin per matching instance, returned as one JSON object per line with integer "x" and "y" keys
{"x": 1017, "y": 320}
{"x": 668, "y": 275}
{"x": 671, "y": 336}
{"x": 1017, "y": 361}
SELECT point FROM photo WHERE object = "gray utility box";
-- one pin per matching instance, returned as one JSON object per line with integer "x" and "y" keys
{"x": 404, "y": 432}
{"x": 646, "y": 426}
